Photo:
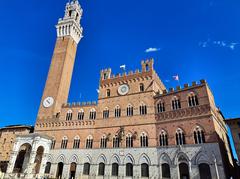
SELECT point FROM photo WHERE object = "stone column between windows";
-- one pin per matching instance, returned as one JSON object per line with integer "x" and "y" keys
{"x": 121, "y": 171}
{"x": 108, "y": 171}
{"x": 174, "y": 171}
{"x": 53, "y": 170}
{"x": 12, "y": 161}
{"x": 136, "y": 171}
{"x": 43, "y": 164}
{"x": 153, "y": 171}
{"x": 79, "y": 170}
{"x": 66, "y": 170}
{"x": 193, "y": 171}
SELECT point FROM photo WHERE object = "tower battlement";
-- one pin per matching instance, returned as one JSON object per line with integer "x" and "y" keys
{"x": 185, "y": 87}
{"x": 146, "y": 71}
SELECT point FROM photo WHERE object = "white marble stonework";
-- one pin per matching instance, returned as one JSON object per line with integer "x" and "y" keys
{"x": 34, "y": 141}
{"x": 193, "y": 155}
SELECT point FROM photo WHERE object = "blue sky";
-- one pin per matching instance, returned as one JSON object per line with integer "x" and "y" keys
{"x": 195, "y": 39}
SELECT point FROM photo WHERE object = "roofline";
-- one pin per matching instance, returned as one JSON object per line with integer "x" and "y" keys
{"x": 17, "y": 126}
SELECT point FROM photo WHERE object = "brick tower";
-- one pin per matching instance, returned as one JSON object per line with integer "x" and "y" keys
{"x": 69, "y": 33}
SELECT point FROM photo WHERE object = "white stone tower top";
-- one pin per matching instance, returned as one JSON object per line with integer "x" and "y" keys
{"x": 70, "y": 25}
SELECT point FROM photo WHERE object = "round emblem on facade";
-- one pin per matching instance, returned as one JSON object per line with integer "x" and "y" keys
{"x": 48, "y": 102}
{"x": 123, "y": 89}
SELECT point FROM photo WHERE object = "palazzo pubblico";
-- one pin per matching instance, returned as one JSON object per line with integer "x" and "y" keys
{"x": 136, "y": 129}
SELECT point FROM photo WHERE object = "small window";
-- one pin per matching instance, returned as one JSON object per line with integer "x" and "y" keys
{"x": 199, "y": 136}
{"x": 101, "y": 169}
{"x": 105, "y": 113}
{"x": 115, "y": 167}
{"x": 53, "y": 144}
{"x": 89, "y": 142}
{"x": 160, "y": 107}
{"x": 69, "y": 116}
{"x": 166, "y": 171}
{"x": 176, "y": 104}
{"x": 192, "y": 100}
{"x": 144, "y": 140}
{"x": 163, "y": 139}
{"x": 129, "y": 170}
{"x": 144, "y": 170}
{"x": 64, "y": 143}
{"x": 180, "y": 137}
{"x": 116, "y": 142}
{"x": 108, "y": 93}
{"x": 129, "y": 141}
{"x": 129, "y": 110}
{"x": 143, "y": 109}
{"x": 86, "y": 168}
{"x": 238, "y": 124}
{"x": 117, "y": 112}
{"x": 239, "y": 135}
{"x": 141, "y": 87}
{"x": 92, "y": 114}
{"x": 76, "y": 143}
{"x": 105, "y": 76}
{"x": 47, "y": 168}
{"x": 103, "y": 142}
{"x": 81, "y": 115}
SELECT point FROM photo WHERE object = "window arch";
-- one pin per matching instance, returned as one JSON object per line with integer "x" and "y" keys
{"x": 53, "y": 143}
{"x": 176, "y": 104}
{"x": 108, "y": 93}
{"x": 89, "y": 142}
{"x": 129, "y": 110}
{"x": 48, "y": 168}
{"x": 199, "y": 136}
{"x": 166, "y": 171}
{"x": 103, "y": 142}
{"x": 117, "y": 111}
{"x": 163, "y": 138}
{"x": 101, "y": 169}
{"x": 144, "y": 170}
{"x": 76, "y": 142}
{"x": 81, "y": 114}
{"x": 116, "y": 141}
{"x": 69, "y": 115}
{"x": 141, "y": 87}
{"x": 86, "y": 169}
{"x": 129, "y": 141}
{"x": 92, "y": 114}
{"x": 144, "y": 140}
{"x": 143, "y": 109}
{"x": 64, "y": 143}
{"x": 180, "y": 137}
{"x": 161, "y": 107}
{"x": 106, "y": 113}
{"x": 115, "y": 168}
{"x": 129, "y": 170}
{"x": 192, "y": 100}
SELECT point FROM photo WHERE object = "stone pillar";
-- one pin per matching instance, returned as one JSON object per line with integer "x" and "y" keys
{"x": 66, "y": 170}
{"x": 136, "y": 171}
{"x": 216, "y": 168}
{"x": 121, "y": 171}
{"x": 108, "y": 171}
{"x": 174, "y": 171}
{"x": 12, "y": 161}
{"x": 193, "y": 171}
{"x": 79, "y": 171}
{"x": 53, "y": 170}
{"x": 43, "y": 164}
{"x": 153, "y": 172}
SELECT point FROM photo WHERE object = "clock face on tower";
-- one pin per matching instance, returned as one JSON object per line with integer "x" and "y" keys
{"x": 123, "y": 89}
{"x": 48, "y": 102}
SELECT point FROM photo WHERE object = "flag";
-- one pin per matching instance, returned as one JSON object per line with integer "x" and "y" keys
{"x": 176, "y": 78}
{"x": 123, "y": 67}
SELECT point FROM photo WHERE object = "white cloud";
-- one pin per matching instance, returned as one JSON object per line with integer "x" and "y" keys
{"x": 222, "y": 44}
{"x": 151, "y": 49}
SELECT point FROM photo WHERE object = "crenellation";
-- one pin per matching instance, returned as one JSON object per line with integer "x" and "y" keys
{"x": 186, "y": 86}
{"x": 194, "y": 83}
{"x": 178, "y": 88}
